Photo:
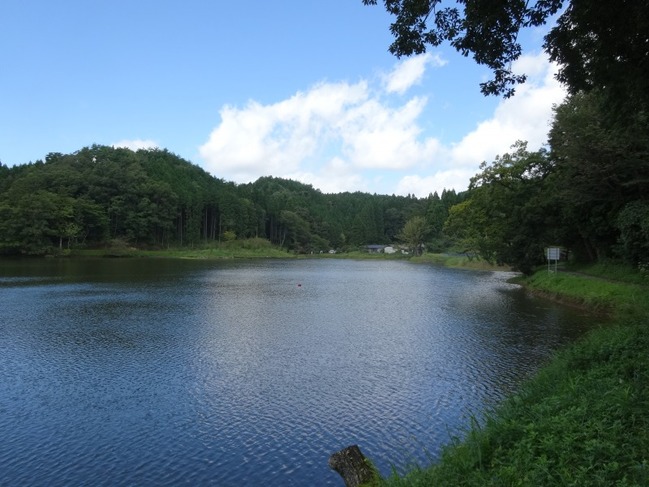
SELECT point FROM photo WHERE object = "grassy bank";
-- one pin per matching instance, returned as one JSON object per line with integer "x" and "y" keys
{"x": 238, "y": 249}
{"x": 260, "y": 248}
{"x": 458, "y": 261}
{"x": 623, "y": 297}
{"x": 582, "y": 420}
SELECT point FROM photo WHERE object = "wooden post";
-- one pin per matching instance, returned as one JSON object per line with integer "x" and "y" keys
{"x": 353, "y": 467}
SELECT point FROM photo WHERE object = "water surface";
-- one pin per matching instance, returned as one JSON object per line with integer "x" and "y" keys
{"x": 174, "y": 372}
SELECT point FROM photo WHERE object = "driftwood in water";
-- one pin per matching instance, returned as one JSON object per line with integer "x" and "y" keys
{"x": 353, "y": 467}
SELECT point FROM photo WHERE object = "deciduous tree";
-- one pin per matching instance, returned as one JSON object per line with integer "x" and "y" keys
{"x": 414, "y": 234}
{"x": 506, "y": 216}
{"x": 599, "y": 168}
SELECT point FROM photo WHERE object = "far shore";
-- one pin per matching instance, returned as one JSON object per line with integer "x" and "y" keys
{"x": 225, "y": 251}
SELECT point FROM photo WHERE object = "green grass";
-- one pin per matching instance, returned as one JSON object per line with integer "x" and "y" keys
{"x": 594, "y": 294}
{"x": 582, "y": 420}
{"x": 362, "y": 255}
{"x": 458, "y": 262}
{"x": 613, "y": 271}
{"x": 261, "y": 248}
{"x": 223, "y": 251}
{"x": 237, "y": 249}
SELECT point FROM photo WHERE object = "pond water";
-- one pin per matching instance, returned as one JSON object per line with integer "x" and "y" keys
{"x": 178, "y": 372}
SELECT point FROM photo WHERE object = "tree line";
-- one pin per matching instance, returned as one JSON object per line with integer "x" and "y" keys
{"x": 155, "y": 199}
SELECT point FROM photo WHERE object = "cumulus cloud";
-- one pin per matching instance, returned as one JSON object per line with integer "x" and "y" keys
{"x": 336, "y": 177}
{"x": 136, "y": 144}
{"x": 361, "y": 137}
{"x": 278, "y": 138}
{"x": 456, "y": 179}
{"x": 525, "y": 116}
{"x": 376, "y": 136}
{"x": 363, "y": 130}
{"x": 410, "y": 72}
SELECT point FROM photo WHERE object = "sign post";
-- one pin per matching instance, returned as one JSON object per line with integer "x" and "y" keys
{"x": 552, "y": 254}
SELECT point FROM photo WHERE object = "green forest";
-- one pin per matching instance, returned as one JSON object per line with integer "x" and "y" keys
{"x": 586, "y": 191}
{"x": 155, "y": 199}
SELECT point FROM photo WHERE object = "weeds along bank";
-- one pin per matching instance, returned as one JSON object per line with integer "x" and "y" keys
{"x": 583, "y": 419}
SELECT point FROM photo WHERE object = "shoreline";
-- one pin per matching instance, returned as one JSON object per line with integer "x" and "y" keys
{"x": 225, "y": 251}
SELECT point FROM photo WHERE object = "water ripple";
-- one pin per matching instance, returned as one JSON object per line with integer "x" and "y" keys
{"x": 186, "y": 373}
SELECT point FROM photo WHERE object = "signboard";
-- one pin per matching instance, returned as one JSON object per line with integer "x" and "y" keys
{"x": 553, "y": 253}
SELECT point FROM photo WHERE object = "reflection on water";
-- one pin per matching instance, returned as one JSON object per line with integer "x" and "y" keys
{"x": 167, "y": 372}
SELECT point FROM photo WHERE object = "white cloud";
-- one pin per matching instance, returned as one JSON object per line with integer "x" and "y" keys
{"x": 136, "y": 144}
{"x": 525, "y": 116}
{"x": 456, "y": 179}
{"x": 377, "y": 136}
{"x": 276, "y": 139}
{"x": 282, "y": 138}
{"x": 410, "y": 72}
{"x": 359, "y": 137}
{"x": 335, "y": 177}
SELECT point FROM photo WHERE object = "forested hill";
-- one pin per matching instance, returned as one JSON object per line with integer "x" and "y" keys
{"x": 153, "y": 199}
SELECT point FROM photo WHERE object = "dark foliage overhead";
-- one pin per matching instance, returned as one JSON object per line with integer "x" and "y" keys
{"x": 597, "y": 43}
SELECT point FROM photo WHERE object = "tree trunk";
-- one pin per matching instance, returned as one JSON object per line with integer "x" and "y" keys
{"x": 353, "y": 467}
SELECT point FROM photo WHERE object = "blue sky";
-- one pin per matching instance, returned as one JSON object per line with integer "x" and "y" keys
{"x": 304, "y": 89}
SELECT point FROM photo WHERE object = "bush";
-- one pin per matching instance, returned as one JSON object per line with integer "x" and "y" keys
{"x": 119, "y": 247}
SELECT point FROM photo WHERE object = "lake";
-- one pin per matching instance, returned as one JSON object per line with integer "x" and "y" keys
{"x": 180, "y": 372}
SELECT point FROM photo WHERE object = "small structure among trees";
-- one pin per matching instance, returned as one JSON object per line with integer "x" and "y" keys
{"x": 375, "y": 249}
